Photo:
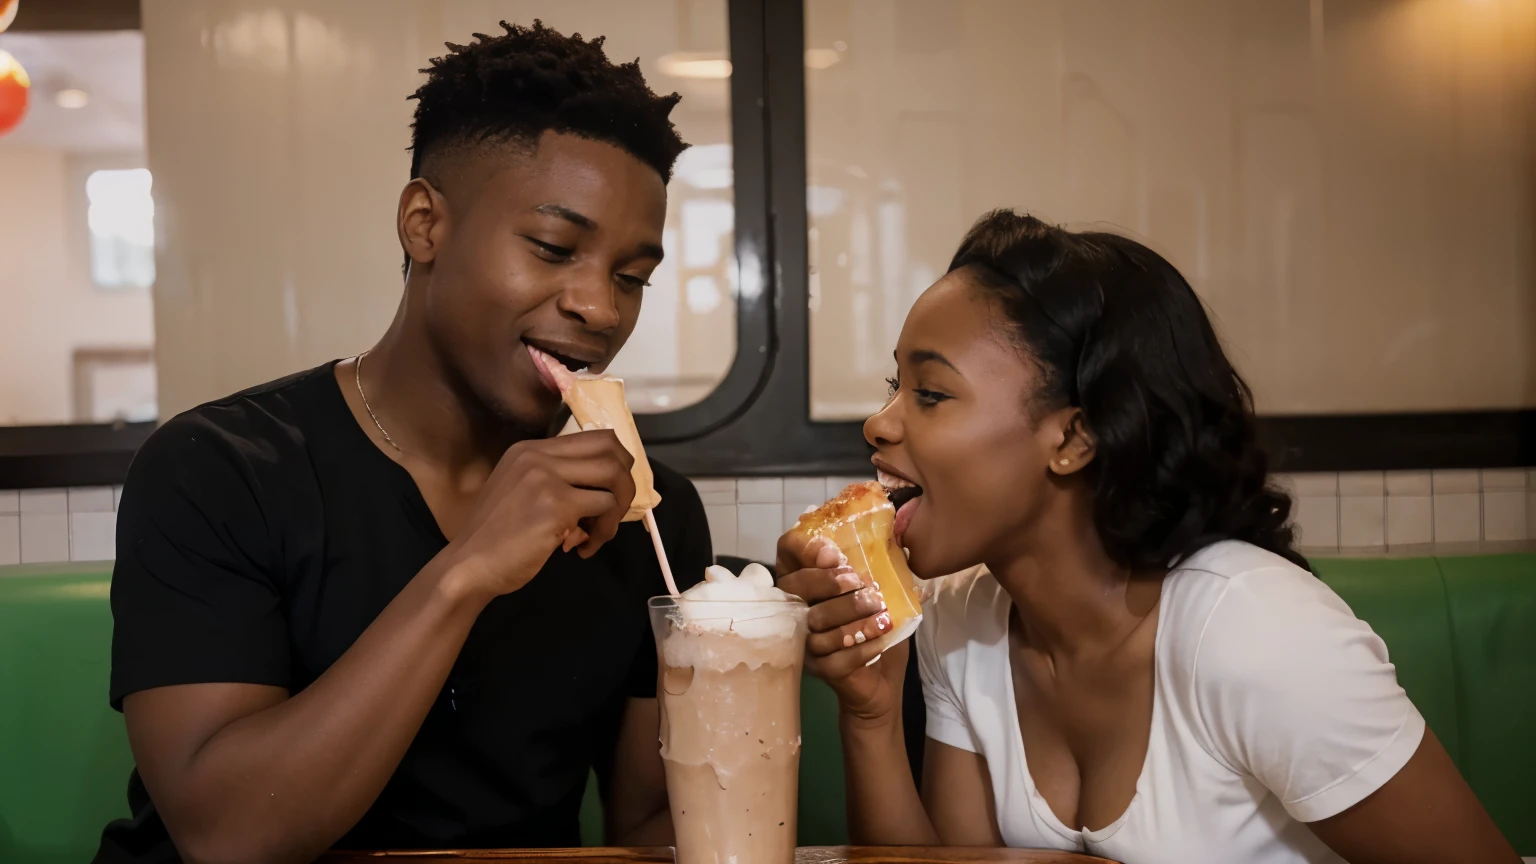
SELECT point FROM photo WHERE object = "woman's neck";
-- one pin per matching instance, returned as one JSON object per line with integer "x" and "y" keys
{"x": 1070, "y": 597}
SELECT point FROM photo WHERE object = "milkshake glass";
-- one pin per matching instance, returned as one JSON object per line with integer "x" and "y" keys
{"x": 731, "y": 652}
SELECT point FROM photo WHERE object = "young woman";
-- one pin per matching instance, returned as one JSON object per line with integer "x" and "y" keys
{"x": 1130, "y": 659}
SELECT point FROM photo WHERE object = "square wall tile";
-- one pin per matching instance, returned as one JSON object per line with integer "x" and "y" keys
{"x": 90, "y": 499}
{"x": 1410, "y": 520}
{"x": 757, "y": 531}
{"x": 1504, "y": 515}
{"x": 1317, "y": 520}
{"x": 716, "y": 490}
{"x": 45, "y": 501}
{"x": 1504, "y": 479}
{"x": 760, "y": 490}
{"x": 1458, "y": 517}
{"x": 92, "y": 536}
{"x": 809, "y": 490}
{"x": 1362, "y": 484}
{"x": 1362, "y": 522}
{"x": 44, "y": 536}
{"x": 1450, "y": 482}
{"x": 1409, "y": 483}
{"x": 1318, "y": 485}
{"x": 10, "y": 540}
{"x": 722, "y": 527}
{"x": 10, "y": 502}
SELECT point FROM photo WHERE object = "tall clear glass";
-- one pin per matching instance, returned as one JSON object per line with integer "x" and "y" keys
{"x": 730, "y": 725}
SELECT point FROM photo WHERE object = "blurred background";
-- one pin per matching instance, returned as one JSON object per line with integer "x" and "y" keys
{"x": 198, "y": 196}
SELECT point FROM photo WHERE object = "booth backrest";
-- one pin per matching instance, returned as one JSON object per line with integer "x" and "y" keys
{"x": 1461, "y": 631}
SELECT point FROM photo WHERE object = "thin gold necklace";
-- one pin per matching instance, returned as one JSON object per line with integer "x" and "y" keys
{"x": 357, "y": 369}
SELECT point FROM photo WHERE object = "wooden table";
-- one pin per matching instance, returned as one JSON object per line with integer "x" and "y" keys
{"x": 663, "y": 855}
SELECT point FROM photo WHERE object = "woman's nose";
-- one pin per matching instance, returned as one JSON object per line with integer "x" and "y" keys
{"x": 883, "y": 428}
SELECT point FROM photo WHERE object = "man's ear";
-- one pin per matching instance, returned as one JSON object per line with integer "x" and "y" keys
{"x": 422, "y": 221}
{"x": 1077, "y": 447}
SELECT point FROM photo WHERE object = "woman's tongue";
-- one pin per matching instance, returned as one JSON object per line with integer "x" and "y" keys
{"x": 904, "y": 518}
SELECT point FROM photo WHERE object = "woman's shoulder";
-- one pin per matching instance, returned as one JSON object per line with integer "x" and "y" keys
{"x": 961, "y": 609}
{"x": 1235, "y": 615}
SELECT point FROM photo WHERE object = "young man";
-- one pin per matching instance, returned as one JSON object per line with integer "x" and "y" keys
{"x": 344, "y": 613}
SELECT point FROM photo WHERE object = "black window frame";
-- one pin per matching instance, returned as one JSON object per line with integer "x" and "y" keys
{"x": 757, "y": 421}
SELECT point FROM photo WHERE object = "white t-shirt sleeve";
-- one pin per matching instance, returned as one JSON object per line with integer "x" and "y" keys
{"x": 1296, "y": 691}
{"x": 947, "y": 722}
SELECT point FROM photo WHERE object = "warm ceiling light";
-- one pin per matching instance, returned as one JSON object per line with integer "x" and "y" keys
{"x": 8, "y": 13}
{"x": 14, "y": 89}
{"x": 694, "y": 64}
{"x": 72, "y": 98}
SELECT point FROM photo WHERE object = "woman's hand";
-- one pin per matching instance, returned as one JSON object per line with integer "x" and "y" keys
{"x": 846, "y": 616}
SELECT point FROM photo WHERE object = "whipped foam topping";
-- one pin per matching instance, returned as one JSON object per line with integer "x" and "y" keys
{"x": 725, "y": 603}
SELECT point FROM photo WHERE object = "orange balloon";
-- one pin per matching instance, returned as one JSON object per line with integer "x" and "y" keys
{"x": 15, "y": 88}
{"x": 8, "y": 13}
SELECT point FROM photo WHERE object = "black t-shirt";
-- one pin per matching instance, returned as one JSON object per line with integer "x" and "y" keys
{"x": 258, "y": 537}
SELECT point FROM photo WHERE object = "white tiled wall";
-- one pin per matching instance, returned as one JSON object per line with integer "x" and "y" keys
{"x": 1367, "y": 511}
{"x": 1345, "y": 512}
{"x": 43, "y": 525}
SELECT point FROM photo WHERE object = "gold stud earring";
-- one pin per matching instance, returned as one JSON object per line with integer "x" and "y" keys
{"x": 1064, "y": 462}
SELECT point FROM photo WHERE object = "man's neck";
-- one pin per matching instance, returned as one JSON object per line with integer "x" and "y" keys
{"x": 428, "y": 410}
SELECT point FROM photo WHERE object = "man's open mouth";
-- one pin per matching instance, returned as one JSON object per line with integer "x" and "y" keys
{"x": 556, "y": 367}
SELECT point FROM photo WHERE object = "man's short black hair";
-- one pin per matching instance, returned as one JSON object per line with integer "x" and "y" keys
{"x": 514, "y": 87}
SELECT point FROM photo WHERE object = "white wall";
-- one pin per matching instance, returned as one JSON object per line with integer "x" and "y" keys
{"x": 48, "y": 306}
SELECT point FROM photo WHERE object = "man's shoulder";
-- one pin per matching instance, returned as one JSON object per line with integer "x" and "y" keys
{"x": 262, "y": 425}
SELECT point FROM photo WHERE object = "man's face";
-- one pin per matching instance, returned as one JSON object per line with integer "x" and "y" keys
{"x": 552, "y": 248}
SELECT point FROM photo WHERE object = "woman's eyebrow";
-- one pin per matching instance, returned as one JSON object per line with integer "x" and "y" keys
{"x": 919, "y": 356}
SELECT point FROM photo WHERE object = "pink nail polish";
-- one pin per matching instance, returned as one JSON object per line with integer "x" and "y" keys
{"x": 883, "y": 622}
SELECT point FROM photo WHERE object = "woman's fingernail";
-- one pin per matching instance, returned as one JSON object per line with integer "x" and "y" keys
{"x": 859, "y": 637}
{"x": 842, "y": 560}
{"x": 883, "y": 621}
{"x": 848, "y": 641}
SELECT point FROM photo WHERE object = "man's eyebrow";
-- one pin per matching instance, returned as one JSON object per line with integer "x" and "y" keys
{"x": 559, "y": 211}
{"x": 567, "y": 214}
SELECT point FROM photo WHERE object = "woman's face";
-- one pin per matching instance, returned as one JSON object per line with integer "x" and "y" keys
{"x": 958, "y": 425}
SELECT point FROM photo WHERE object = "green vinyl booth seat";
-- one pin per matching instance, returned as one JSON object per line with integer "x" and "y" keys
{"x": 1461, "y": 631}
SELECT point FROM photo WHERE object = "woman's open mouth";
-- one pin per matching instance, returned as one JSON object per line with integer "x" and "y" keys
{"x": 905, "y": 496}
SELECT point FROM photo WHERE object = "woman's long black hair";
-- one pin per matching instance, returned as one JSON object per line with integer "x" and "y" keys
{"x": 1117, "y": 332}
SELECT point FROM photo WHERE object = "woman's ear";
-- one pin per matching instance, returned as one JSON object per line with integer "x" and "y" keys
{"x": 1076, "y": 449}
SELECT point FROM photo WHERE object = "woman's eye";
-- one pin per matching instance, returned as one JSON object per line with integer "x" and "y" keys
{"x": 894, "y": 384}
{"x": 633, "y": 282}
{"x": 929, "y": 397}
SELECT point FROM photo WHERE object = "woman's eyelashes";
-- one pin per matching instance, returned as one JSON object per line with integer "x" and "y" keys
{"x": 926, "y": 397}
{"x": 553, "y": 254}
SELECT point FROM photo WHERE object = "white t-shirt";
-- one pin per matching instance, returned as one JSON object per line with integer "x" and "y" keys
{"x": 1273, "y": 706}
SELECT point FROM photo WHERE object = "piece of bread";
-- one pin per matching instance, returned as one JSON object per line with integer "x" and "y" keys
{"x": 860, "y": 521}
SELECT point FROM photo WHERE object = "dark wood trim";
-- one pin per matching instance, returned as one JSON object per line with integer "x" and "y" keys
{"x": 755, "y": 343}
{"x": 42, "y": 457}
{"x": 77, "y": 15}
